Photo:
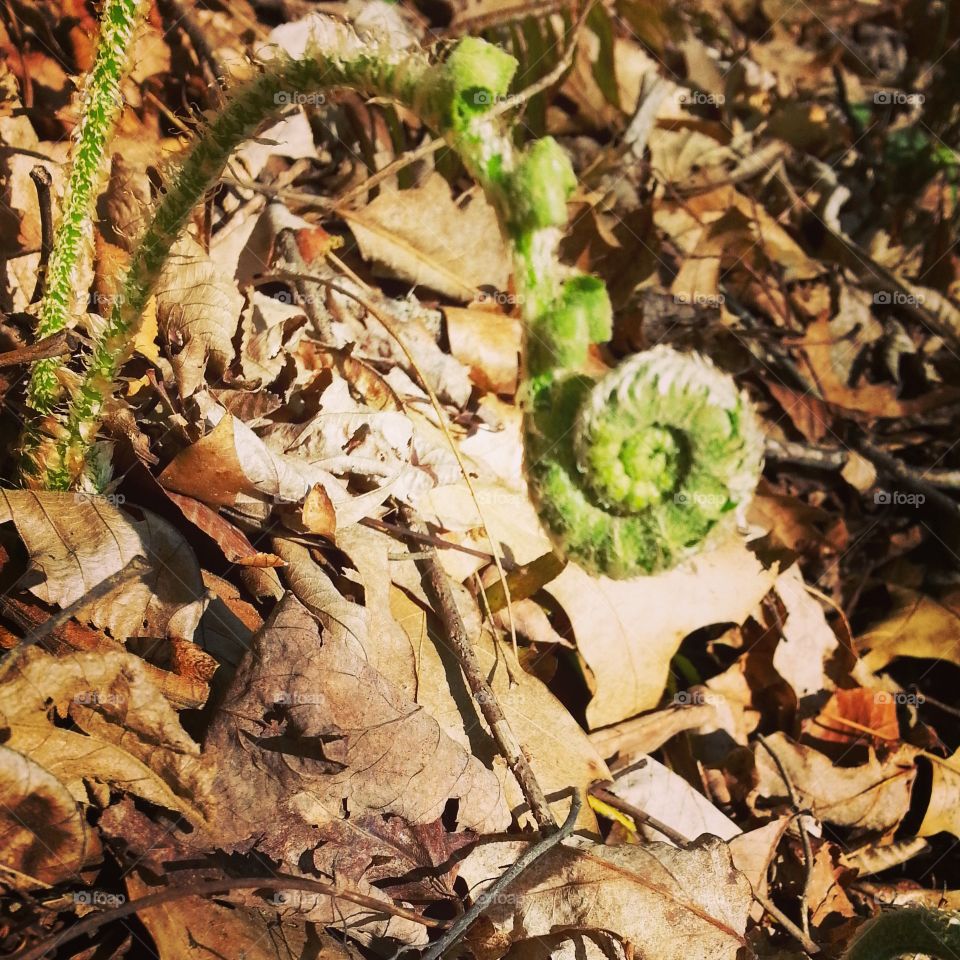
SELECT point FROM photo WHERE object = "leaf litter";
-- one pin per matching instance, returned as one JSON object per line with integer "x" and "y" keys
{"x": 766, "y": 737}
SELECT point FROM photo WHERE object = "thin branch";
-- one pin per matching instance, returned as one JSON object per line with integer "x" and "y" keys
{"x": 636, "y": 814}
{"x": 495, "y": 890}
{"x": 59, "y": 344}
{"x": 224, "y": 885}
{"x": 804, "y": 836}
{"x": 134, "y": 570}
{"x": 444, "y": 604}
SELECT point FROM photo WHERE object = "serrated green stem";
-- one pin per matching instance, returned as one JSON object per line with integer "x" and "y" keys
{"x": 72, "y": 249}
{"x": 630, "y": 474}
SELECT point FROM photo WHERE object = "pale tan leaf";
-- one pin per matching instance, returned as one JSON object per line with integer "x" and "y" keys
{"x": 667, "y": 903}
{"x": 873, "y": 796}
{"x": 77, "y": 540}
{"x": 656, "y": 790}
{"x": 422, "y": 236}
{"x": 489, "y": 344}
{"x": 627, "y": 631}
{"x": 943, "y": 811}
{"x": 560, "y": 753}
{"x": 198, "y": 309}
{"x": 918, "y": 626}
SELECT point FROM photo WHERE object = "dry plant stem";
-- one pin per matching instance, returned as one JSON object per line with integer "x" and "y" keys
{"x": 637, "y": 815}
{"x": 42, "y": 180}
{"x": 803, "y": 939}
{"x": 134, "y": 570}
{"x": 445, "y": 605}
{"x": 97, "y": 920}
{"x": 804, "y": 836}
{"x": 438, "y": 542}
{"x": 182, "y": 16}
{"x": 496, "y": 889}
{"x": 60, "y": 344}
{"x": 307, "y": 290}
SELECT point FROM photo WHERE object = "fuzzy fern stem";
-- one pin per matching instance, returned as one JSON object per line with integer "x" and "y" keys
{"x": 101, "y": 104}
{"x": 631, "y": 473}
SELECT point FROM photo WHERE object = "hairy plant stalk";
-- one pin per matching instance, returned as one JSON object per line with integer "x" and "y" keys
{"x": 632, "y": 473}
{"x": 101, "y": 104}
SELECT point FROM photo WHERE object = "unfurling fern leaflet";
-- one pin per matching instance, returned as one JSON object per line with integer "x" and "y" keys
{"x": 630, "y": 474}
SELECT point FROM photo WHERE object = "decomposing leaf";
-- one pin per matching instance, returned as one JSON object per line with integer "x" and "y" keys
{"x": 343, "y": 740}
{"x": 131, "y": 737}
{"x": 198, "y": 309}
{"x": 43, "y": 834}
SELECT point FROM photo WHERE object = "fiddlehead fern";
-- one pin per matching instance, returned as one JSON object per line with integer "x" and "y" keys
{"x": 630, "y": 474}
{"x": 907, "y": 932}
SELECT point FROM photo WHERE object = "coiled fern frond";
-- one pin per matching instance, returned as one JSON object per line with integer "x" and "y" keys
{"x": 631, "y": 473}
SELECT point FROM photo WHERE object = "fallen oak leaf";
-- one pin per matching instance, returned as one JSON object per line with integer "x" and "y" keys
{"x": 627, "y": 631}
{"x": 663, "y": 902}
{"x": 872, "y": 796}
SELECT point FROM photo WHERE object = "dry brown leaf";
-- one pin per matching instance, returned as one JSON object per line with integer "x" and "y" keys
{"x": 872, "y": 796}
{"x": 808, "y": 644}
{"x": 810, "y": 415}
{"x": 198, "y": 309}
{"x": 234, "y": 544}
{"x": 943, "y": 810}
{"x": 77, "y": 540}
{"x": 312, "y": 732}
{"x": 855, "y": 716}
{"x": 918, "y": 626}
{"x": 232, "y": 466}
{"x": 369, "y": 630}
{"x": 665, "y": 903}
{"x": 198, "y": 928}
{"x": 627, "y": 631}
{"x": 422, "y": 236}
{"x": 131, "y": 740}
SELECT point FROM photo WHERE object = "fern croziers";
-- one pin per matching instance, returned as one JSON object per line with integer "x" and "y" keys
{"x": 631, "y": 473}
